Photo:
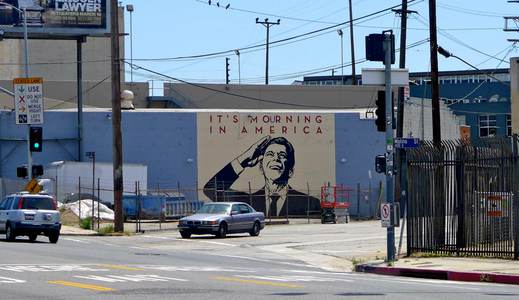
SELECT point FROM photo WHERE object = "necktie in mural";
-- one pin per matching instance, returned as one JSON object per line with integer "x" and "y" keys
{"x": 274, "y": 204}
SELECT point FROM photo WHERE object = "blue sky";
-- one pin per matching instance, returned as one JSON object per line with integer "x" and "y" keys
{"x": 471, "y": 29}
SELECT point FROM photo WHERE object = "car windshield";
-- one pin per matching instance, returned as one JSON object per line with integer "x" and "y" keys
{"x": 37, "y": 203}
{"x": 213, "y": 209}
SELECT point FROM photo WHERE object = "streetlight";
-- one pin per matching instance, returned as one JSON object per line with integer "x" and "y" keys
{"x": 25, "y": 38}
{"x": 339, "y": 31}
{"x": 130, "y": 9}
{"x": 448, "y": 54}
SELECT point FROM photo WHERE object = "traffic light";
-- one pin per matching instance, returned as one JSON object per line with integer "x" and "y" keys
{"x": 381, "y": 111}
{"x": 36, "y": 139}
{"x": 380, "y": 164}
{"x": 227, "y": 71}
{"x": 21, "y": 172}
{"x": 37, "y": 170}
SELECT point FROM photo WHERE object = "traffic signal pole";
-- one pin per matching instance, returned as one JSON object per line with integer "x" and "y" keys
{"x": 389, "y": 147}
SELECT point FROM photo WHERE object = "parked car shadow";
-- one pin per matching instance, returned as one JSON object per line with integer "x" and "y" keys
{"x": 212, "y": 237}
{"x": 25, "y": 241}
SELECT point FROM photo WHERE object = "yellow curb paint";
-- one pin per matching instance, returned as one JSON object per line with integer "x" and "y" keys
{"x": 82, "y": 286}
{"x": 120, "y": 267}
{"x": 259, "y": 282}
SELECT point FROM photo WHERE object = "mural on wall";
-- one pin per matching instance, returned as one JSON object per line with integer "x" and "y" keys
{"x": 274, "y": 161}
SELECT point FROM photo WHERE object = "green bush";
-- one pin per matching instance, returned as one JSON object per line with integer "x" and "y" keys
{"x": 86, "y": 223}
{"x": 106, "y": 230}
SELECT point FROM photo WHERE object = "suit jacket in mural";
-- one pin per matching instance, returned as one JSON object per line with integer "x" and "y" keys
{"x": 296, "y": 203}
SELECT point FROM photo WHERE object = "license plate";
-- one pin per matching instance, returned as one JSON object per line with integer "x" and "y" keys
{"x": 29, "y": 217}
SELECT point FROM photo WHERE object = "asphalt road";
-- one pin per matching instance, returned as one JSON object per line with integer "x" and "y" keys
{"x": 163, "y": 266}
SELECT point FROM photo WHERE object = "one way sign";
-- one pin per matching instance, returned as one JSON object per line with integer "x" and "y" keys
{"x": 28, "y": 100}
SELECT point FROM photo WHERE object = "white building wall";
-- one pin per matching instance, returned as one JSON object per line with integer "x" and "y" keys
{"x": 418, "y": 120}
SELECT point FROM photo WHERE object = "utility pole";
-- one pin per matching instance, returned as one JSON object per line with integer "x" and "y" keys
{"x": 116, "y": 118}
{"x": 435, "y": 92}
{"x": 353, "y": 77}
{"x": 267, "y": 25}
{"x": 339, "y": 31}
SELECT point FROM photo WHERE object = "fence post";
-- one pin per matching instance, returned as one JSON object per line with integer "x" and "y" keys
{"x": 136, "y": 201}
{"x": 369, "y": 200}
{"x": 98, "y": 197}
{"x": 55, "y": 187}
{"x": 308, "y": 203}
{"x": 250, "y": 195}
{"x": 515, "y": 204}
{"x": 79, "y": 200}
{"x": 358, "y": 201}
{"x": 215, "y": 190}
{"x": 403, "y": 195}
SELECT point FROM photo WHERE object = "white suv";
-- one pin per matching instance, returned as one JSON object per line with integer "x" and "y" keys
{"x": 30, "y": 215}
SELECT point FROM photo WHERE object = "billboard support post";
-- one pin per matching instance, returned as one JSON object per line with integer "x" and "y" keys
{"x": 79, "y": 66}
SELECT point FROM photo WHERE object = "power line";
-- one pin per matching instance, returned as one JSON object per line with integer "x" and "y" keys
{"x": 266, "y": 14}
{"x": 471, "y": 11}
{"x": 238, "y": 95}
{"x": 456, "y": 40}
{"x": 230, "y": 51}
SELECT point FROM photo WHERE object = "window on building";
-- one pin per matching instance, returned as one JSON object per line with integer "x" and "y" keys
{"x": 487, "y": 125}
{"x": 509, "y": 125}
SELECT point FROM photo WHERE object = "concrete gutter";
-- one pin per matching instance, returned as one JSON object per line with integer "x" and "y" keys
{"x": 471, "y": 276}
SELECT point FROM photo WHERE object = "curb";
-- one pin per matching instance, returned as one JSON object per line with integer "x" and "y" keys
{"x": 439, "y": 274}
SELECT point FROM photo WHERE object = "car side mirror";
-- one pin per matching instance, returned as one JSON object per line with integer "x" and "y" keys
{"x": 234, "y": 212}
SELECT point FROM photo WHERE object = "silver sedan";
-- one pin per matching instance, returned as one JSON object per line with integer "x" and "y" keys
{"x": 221, "y": 218}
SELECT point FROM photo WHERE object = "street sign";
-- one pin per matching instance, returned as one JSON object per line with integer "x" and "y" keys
{"x": 28, "y": 100}
{"x": 33, "y": 187}
{"x": 407, "y": 142}
{"x": 385, "y": 214}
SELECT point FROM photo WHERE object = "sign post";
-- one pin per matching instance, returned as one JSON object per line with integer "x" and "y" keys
{"x": 385, "y": 215}
{"x": 388, "y": 39}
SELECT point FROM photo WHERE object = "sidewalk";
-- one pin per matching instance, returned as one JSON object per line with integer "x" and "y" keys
{"x": 448, "y": 268}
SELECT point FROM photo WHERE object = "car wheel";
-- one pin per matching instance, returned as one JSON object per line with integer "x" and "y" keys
{"x": 53, "y": 237}
{"x": 222, "y": 231}
{"x": 10, "y": 234}
{"x": 255, "y": 231}
{"x": 185, "y": 234}
{"x": 32, "y": 237}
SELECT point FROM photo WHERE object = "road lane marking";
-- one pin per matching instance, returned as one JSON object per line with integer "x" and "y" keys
{"x": 265, "y": 260}
{"x": 295, "y": 278}
{"x": 208, "y": 242}
{"x": 130, "y": 278}
{"x": 188, "y": 240}
{"x": 195, "y": 269}
{"x": 120, "y": 267}
{"x": 258, "y": 282}
{"x": 49, "y": 268}
{"x": 75, "y": 240}
{"x": 82, "y": 286}
{"x": 11, "y": 280}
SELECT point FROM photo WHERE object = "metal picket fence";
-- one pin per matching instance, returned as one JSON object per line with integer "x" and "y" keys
{"x": 463, "y": 198}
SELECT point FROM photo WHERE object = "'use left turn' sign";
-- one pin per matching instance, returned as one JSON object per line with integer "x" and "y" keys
{"x": 28, "y": 100}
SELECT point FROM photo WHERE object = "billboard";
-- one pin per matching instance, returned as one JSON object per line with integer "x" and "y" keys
{"x": 49, "y": 18}
{"x": 276, "y": 161}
